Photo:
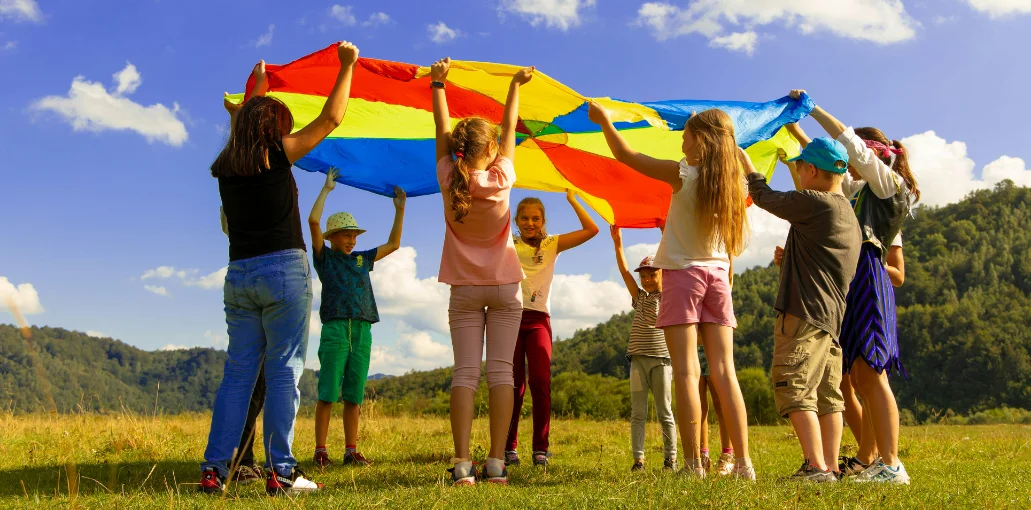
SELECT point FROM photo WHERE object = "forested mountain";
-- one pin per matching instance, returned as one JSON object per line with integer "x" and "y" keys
{"x": 964, "y": 330}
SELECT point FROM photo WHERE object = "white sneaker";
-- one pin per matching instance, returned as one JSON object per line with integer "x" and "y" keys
{"x": 296, "y": 482}
{"x": 463, "y": 473}
{"x": 744, "y": 473}
{"x": 880, "y": 472}
{"x": 725, "y": 464}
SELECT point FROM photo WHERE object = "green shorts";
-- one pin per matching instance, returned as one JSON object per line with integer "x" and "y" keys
{"x": 344, "y": 352}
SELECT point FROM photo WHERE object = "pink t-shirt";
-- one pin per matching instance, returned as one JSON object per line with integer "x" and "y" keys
{"x": 479, "y": 250}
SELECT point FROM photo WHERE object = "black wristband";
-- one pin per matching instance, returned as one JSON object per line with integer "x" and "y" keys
{"x": 436, "y": 84}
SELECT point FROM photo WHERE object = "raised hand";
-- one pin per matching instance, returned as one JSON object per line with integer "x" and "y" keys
{"x": 617, "y": 234}
{"x": 597, "y": 113}
{"x": 331, "y": 176}
{"x": 230, "y": 106}
{"x": 347, "y": 53}
{"x": 778, "y": 255}
{"x": 440, "y": 68}
{"x": 796, "y": 93}
{"x": 524, "y": 75}
{"x": 399, "y": 198}
{"x": 570, "y": 195}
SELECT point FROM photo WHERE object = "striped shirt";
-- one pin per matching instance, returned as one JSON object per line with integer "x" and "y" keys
{"x": 645, "y": 338}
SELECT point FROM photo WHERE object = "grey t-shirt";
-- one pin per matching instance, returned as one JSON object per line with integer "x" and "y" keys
{"x": 821, "y": 253}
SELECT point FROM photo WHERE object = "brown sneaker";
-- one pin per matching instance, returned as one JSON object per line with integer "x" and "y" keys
{"x": 321, "y": 459}
{"x": 355, "y": 459}
{"x": 248, "y": 474}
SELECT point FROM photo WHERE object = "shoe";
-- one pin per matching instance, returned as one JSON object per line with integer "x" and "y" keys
{"x": 883, "y": 473}
{"x": 247, "y": 474}
{"x": 321, "y": 459}
{"x": 638, "y": 466}
{"x": 463, "y": 475}
{"x": 295, "y": 482}
{"x": 511, "y": 458}
{"x": 725, "y": 464}
{"x": 211, "y": 482}
{"x": 809, "y": 473}
{"x": 744, "y": 473}
{"x": 670, "y": 464}
{"x": 851, "y": 466}
{"x": 355, "y": 459}
{"x": 541, "y": 458}
{"x": 501, "y": 479}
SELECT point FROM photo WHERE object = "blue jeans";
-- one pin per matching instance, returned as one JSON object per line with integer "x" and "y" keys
{"x": 268, "y": 308}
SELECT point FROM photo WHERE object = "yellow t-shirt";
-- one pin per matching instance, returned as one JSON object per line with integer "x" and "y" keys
{"x": 539, "y": 268}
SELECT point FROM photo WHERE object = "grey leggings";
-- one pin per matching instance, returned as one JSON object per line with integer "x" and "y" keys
{"x": 648, "y": 373}
{"x": 473, "y": 309}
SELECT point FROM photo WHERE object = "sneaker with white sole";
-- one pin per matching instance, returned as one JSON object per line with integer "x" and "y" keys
{"x": 501, "y": 479}
{"x": 295, "y": 482}
{"x": 852, "y": 466}
{"x": 511, "y": 458}
{"x": 463, "y": 473}
{"x": 883, "y": 473}
{"x": 725, "y": 464}
{"x": 811, "y": 473}
{"x": 744, "y": 473}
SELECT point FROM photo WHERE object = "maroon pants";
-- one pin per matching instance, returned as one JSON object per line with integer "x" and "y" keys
{"x": 533, "y": 352}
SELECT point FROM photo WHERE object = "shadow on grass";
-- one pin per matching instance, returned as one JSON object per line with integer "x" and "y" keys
{"x": 100, "y": 478}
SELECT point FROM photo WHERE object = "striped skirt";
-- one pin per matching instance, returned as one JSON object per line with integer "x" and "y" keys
{"x": 870, "y": 330}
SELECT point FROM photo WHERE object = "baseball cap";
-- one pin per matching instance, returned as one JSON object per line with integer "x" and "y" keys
{"x": 646, "y": 263}
{"x": 825, "y": 154}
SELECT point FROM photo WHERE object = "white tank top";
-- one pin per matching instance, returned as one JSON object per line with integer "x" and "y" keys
{"x": 682, "y": 245}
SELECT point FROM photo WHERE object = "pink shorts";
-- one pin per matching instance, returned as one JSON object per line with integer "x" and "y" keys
{"x": 695, "y": 295}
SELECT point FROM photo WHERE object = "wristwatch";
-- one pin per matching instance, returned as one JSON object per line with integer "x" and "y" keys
{"x": 436, "y": 84}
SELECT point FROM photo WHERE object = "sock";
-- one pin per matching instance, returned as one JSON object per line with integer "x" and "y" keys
{"x": 495, "y": 467}
{"x": 728, "y": 451}
{"x": 352, "y": 448}
{"x": 696, "y": 463}
{"x": 705, "y": 452}
{"x": 463, "y": 468}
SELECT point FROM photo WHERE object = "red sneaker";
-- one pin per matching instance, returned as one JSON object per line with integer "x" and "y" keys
{"x": 211, "y": 482}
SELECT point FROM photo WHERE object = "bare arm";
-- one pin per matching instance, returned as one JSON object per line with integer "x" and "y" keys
{"x": 589, "y": 230}
{"x": 394, "y": 241}
{"x": 260, "y": 88}
{"x": 297, "y": 145}
{"x": 896, "y": 266}
{"x": 441, "y": 116}
{"x": 803, "y": 139}
{"x": 315, "y": 218}
{"x": 660, "y": 169}
{"x": 511, "y": 116}
{"x": 628, "y": 279}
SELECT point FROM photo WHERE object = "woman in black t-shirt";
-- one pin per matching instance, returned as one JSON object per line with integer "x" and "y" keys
{"x": 268, "y": 284}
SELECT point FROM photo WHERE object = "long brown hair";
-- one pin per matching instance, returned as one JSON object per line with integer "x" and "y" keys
{"x": 261, "y": 124}
{"x": 543, "y": 232}
{"x": 470, "y": 140}
{"x": 901, "y": 165}
{"x": 720, "y": 193}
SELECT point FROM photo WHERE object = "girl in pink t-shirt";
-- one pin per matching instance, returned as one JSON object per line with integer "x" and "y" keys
{"x": 479, "y": 262}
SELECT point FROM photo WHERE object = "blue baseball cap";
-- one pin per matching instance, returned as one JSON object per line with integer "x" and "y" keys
{"x": 825, "y": 154}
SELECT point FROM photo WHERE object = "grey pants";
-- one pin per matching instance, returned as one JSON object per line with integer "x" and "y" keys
{"x": 656, "y": 375}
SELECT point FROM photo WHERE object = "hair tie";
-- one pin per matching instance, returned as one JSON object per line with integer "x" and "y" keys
{"x": 459, "y": 154}
{"x": 884, "y": 150}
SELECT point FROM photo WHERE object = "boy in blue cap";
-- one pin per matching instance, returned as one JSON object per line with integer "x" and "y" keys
{"x": 819, "y": 261}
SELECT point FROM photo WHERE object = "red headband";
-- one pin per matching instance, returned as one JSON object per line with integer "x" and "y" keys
{"x": 883, "y": 150}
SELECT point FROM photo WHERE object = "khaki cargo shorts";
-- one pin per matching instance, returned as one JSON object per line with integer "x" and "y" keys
{"x": 806, "y": 368}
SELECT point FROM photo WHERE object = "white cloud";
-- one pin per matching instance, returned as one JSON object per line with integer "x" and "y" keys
{"x": 399, "y": 292}
{"x": 878, "y": 21}
{"x": 767, "y": 232}
{"x": 577, "y": 302}
{"x": 188, "y": 277}
{"x": 20, "y": 10}
{"x": 945, "y": 174}
{"x": 441, "y": 33}
{"x": 419, "y": 344}
{"x": 743, "y": 42}
{"x": 217, "y": 340}
{"x": 560, "y": 14}
{"x": 157, "y": 289}
{"x": 173, "y": 347}
{"x": 10, "y": 45}
{"x": 266, "y": 38}
{"x": 997, "y": 8}
{"x": 315, "y": 325}
{"x": 90, "y": 107}
{"x": 415, "y": 350}
{"x": 213, "y": 280}
{"x": 343, "y": 14}
{"x": 97, "y": 334}
{"x": 378, "y": 19}
{"x": 163, "y": 272}
{"x": 383, "y": 361}
{"x": 23, "y": 296}
{"x": 636, "y": 253}
{"x": 128, "y": 80}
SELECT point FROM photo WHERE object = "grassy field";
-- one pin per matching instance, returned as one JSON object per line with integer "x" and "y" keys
{"x": 127, "y": 461}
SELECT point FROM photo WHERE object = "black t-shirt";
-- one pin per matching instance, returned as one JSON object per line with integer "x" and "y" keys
{"x": 262, "y": 210}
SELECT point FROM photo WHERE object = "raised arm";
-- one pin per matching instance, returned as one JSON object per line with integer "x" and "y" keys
{"x": 394, "y": 241}
{"x": 803, "y": 139}
{"x": 441, "y": 116}
{"x": 660, "y": 169}
{"x": 628, "y": 279}
{"x": 511, "y": 116}
{"x": 260, "y": 88}
{"x": 299, "y": 144}
{"x": 589, "y": 228}
{"x": 315, "y": 218}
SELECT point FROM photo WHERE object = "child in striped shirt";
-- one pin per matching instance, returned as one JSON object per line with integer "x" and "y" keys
{"x": 650, "y": 367}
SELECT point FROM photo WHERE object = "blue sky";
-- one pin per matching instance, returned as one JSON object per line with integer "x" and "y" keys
{"x": 106, "y": 185}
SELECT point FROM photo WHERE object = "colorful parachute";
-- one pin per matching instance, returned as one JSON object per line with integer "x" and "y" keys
{"x": 386, "y": 138}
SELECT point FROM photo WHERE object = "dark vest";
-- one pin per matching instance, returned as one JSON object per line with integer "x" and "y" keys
{"x": 881, "y": 218}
